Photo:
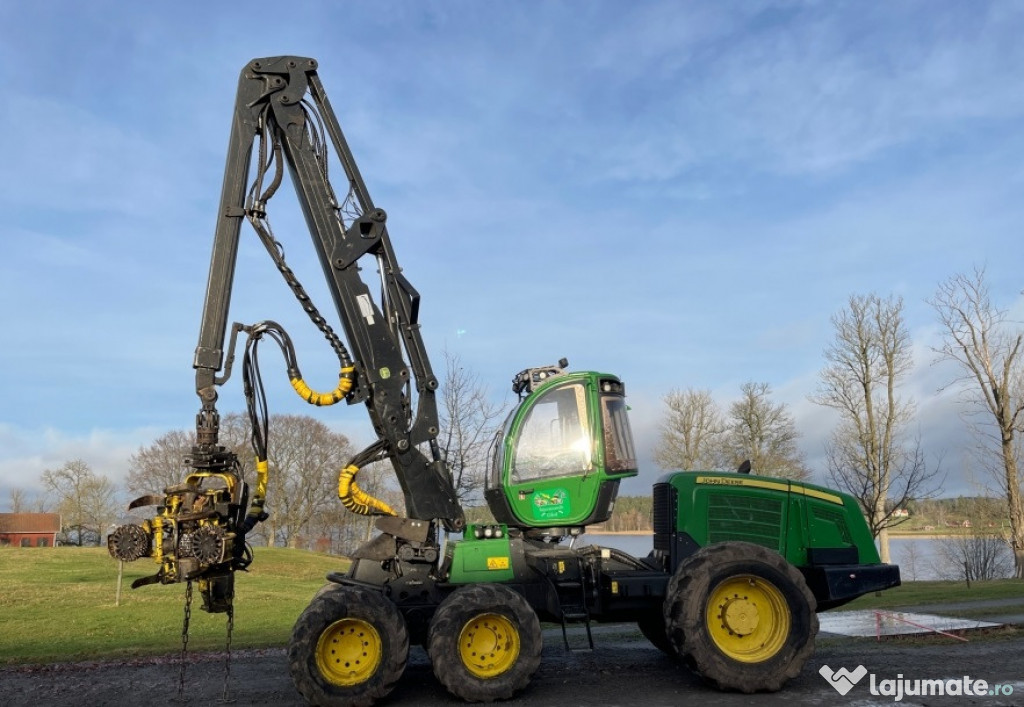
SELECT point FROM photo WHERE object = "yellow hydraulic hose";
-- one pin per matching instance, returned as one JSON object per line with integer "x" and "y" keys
{"x": 335, "y": 396}
{"x": 262, "y": 470}
{"x": 157, "y": 534}
{"x": 259, "y": 496}
{"x": 357, "y": 500}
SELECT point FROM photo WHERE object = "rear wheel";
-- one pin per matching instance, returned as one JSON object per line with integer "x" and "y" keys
{"x": 741, "y": 616}
{"x": 349, "y": 647}
{"x": 652, "y": 626}
{"x": 485, "y": 642}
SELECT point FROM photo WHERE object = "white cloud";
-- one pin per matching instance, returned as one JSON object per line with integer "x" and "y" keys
{"x": 680, "y": 194}
{"x": 820, "y": 91}
{"x": 26, "y": 453}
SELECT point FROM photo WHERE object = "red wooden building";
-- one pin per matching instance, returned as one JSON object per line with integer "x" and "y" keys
{"x": 29, "y": 529}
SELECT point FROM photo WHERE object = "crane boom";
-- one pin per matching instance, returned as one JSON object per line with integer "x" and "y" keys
{"x": 282, "y": 101}
{"x": 282, "y": 117}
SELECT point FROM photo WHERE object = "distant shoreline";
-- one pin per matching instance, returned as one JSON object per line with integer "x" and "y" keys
{"x": 892, "y": 536}
{"x": 925, "y": 536}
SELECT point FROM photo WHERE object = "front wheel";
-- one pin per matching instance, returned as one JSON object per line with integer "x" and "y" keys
{"x": 741, "y": 616}
{"x": 349, "y": 647}
{"x": 485, "y": 642}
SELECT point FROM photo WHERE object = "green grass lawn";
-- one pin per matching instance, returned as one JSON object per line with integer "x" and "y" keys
{"x": 58, "y": 604}
{"x": 923, "y": 593}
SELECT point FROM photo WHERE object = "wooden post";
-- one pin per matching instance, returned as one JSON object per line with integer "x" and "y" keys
{"x": 120, "y": 573}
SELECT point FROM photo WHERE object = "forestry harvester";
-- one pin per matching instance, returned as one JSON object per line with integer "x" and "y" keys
{"x": 739, "y": 563}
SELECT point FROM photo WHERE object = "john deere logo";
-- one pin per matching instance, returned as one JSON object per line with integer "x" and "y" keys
{"x": 843, "y": 680}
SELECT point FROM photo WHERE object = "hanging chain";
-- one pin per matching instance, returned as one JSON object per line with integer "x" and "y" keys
{"x": 183, "y": 664}
{"x": 225, "y": 698}
{"x": 184, "y": 641}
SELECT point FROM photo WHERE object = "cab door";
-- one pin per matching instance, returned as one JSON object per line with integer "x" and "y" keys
{"x": 550, "y": 479}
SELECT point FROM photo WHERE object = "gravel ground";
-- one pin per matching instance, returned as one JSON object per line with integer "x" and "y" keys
{"x": 622, "y": 670}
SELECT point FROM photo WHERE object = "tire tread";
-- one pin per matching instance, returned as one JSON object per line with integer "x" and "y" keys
{"x": 447, "y": 624}
{"x": 684, "y": 618}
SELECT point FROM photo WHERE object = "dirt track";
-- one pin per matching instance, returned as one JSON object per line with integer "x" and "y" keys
{"x": 623, "y": 670}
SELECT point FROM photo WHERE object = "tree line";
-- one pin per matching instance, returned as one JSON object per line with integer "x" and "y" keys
{"x": 982, "y": 514}
{"x": 939, "y": 514}
{"x": 697, "y": 435}
{"x": 305, "y": 457}
{"x": 873, "y": 452}
{"x": 87, "y": 502}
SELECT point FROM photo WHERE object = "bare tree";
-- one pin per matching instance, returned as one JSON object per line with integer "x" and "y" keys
{"x": 22, "y": 502}
{"x": 764, "y": 433}
{"x": 910, "y": 561}
{"x": 162, "y": 463}
{"x": 18, "y": 501}
{"x": 468, "y": 422}
{"x": 85, "y": 501}
{"x": 305, "y": 458}
{"x": 978, "y": 337}
{"x": 691, "y": 432}
{"x": 869, "y": 455}
{"x": 975, "y": 557}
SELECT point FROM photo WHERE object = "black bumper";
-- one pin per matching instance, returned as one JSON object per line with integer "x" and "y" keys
{"x": 833, "y": 585}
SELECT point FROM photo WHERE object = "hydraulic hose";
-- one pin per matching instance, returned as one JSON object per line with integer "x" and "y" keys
{"x": 256, "y": 513}
{"x": 335, "y": 396}
{"x": 357, "y": 500}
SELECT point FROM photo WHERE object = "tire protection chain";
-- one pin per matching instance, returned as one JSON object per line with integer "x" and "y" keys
{"x": 183, "y": 661}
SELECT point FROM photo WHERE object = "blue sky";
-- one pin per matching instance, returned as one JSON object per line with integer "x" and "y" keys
{"x": 681, "y": 193}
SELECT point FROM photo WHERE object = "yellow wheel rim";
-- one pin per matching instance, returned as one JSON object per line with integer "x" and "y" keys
{"x": 348, "y": 652}
{"x": 488, "y": 645}
{"x": 748, "y": 618}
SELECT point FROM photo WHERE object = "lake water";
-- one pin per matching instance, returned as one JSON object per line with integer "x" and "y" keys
{"x": 635, "y": 545}
{"x": 919, "y": 558}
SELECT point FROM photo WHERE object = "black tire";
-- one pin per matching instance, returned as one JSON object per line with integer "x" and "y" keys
{"x": 741, "y": 617}
{"x": 349, "y": 647}
{"x": 328, "y": 587}
{"x": 484, "y": 642}
{"x": 652, "y": 626}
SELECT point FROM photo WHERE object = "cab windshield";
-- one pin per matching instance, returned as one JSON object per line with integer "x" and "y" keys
{"x": 554, "y": 439}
